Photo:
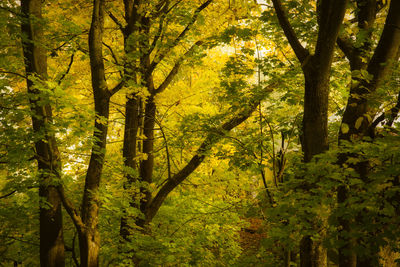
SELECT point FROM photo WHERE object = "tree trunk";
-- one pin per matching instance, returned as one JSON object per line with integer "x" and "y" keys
{"x": 47, "y": 154}
{"x": 358, "y": 105}
{"x": 316, "y": 71}
{"x": 314, "y": 141}
{"x": 89, "y": 247}
{"x": 315, "y": 118}
{"x": 133, "y": 113}
{"x": 129, "y": 150}
{"x": 147, "y": 165}
{"x": 89, "y": 237}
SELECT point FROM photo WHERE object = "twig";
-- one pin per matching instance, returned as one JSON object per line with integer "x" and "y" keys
{"x": 68, "y": 69}
{"x": 8, "y": 194}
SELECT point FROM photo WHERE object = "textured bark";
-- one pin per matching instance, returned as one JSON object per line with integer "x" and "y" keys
{"x": 379, "y": 67}
{"x": 147, "y": 164}
{"x": 316, "y": 69}
{"x": 47, "y": 154}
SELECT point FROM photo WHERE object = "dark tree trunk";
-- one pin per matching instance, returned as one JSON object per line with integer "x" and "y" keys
{"x": 147, "y": 165}
{"x": 47, "y": 154}
{"x": 358, "y": 106}
{"x": 89, "y": 238}
{"x": 129, "y": 151}
{"x": 133, "y": 114}
{"x": 316, "y": 69}
{"x": 315, "y": 118}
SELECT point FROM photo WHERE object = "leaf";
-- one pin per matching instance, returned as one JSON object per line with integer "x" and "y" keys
{"x": 358, "y": 122}
{"x": 344, "y": 128}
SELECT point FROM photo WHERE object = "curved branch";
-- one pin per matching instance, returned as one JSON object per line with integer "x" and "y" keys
{"x": 8, "y": 194}
{"x": 71, "y": 210}
{"x": 294, "y": 42}
{"x": 71, "y": 61}
{"x": 212, "y": 138}
{"x": 13, "y": 73}
{"x": 175, "y": 69}
{"x": 116, "y": 21}
{"x": 346, "y": 47}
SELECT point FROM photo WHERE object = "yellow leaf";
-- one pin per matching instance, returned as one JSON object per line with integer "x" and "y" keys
{"x": 344, "y": 128}
{"x": 368, "y": 118}
{"x": 359, "y": 122}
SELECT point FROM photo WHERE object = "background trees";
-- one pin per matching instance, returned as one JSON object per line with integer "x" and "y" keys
{"x": 180, "y": 121}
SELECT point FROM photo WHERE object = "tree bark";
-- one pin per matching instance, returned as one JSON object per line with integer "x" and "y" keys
{"x": 89, "y": 237}
{"x": 47, "y": 154}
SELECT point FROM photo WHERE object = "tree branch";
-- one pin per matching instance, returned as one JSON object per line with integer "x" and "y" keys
{"x": 332, "y": 15}
{"x": 346, "y": 47}
{"x": 8, "y": 194}
{"x": 175, "y": 69}
{"x": 387, "y": 49}
{"x": 13, "y": 73}
{"x": 117, "y": 87}
{"x": 158, "y": 35}
{"x": 294, "y": 42}
{"x": 71, "y": 210}
{"x": 112, "y": 53}
{"x": 212, "y": 138}
{"x": 160, "y": 56}
{"x": 116, "y": 21}
{"x": 68, "y": 69}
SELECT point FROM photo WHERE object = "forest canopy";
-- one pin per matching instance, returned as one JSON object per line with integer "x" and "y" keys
{"x": 199, "y": 133}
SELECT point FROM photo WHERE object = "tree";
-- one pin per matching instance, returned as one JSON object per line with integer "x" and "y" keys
{"x": 47, "y": 154}
{"x": 368, "y": 74}
{"x": 141, "y": 113}
{"x": 316, "y": 68}
{"x": 87, "y": 222}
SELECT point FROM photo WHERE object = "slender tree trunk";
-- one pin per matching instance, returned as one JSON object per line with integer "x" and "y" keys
{"x": 47, "y": 154}
{"x": 147, "y": 165}
{"x": 133, "y": 113}
{"x": 89, "y": 237}
{"x": 129, "y": 151}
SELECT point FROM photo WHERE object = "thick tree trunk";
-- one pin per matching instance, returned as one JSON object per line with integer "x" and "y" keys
{"x": 316, "y": 69}
{"x": 314, "y": 141}
{"x": 89, "y": 247}
{"x": 315, "y": 118}
{"x": 315, "y": 138}
{"x": 47, "y": 154}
